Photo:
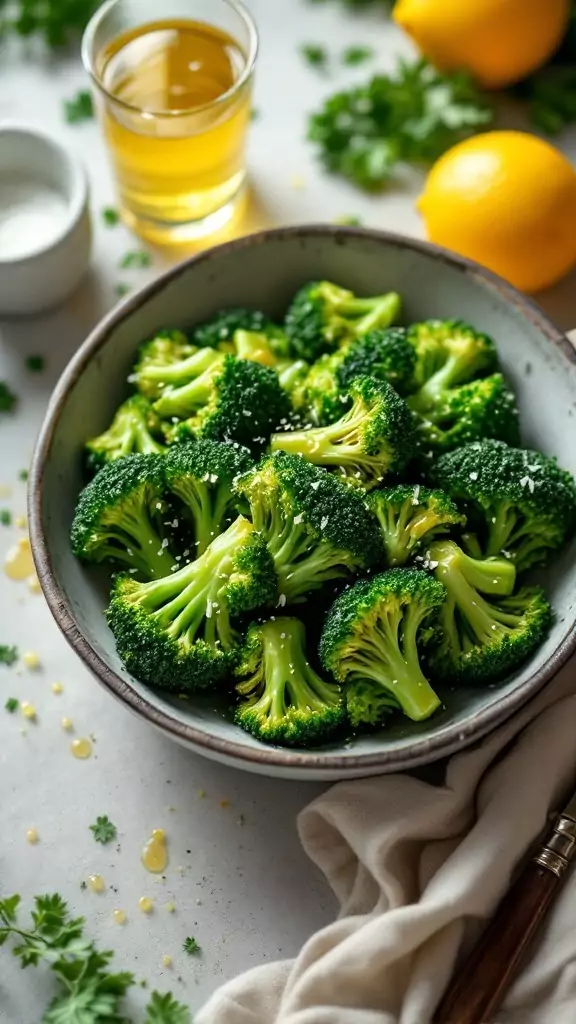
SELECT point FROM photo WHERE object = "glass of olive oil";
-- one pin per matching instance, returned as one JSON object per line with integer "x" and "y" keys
{"x": 174, "y": 100}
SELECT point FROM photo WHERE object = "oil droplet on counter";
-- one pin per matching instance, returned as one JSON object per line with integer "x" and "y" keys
{"x": 120, "y": 916}
{"x": 20, "y": 522}
{"x": 18, "y": 564}
{"x": 225, "y": 804}
{"x": 155, "y": 853}
{"x": 32, "y": 836}
{"x": 97, "y": 883}
{"x": 5, "y": 490}
{"x": 167, "y": 961}
{"x": 34, "y": 584}
{"x": 31, "y": 659}
{"x": 146, "y": 904}
{"x": 57, "y": 688}
{"x": 67, "y": 724}
{"x": 28, "y": 710}
{"x": 82, "y": 749}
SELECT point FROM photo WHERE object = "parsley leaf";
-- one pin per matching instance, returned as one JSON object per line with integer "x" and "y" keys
{"x": 7, "y": 398}
{"x": 11, "y": 705}
{"x": 79, "y": 108}
{"x": 55, "y": 22}
{"x": 122, "y": 289}
{"x": 35, "y": 364}
{"x": 5, "y": 517}
{"x": 355, "y": 55}
{"x": 110, "y": 216}
{"x": 104, "y": 831}
{"x": 8, "y": 655}
{"x": 191, "y": 946}
{"x": 411, "y": 116}
{"x": 314, "y": 55}
{"x": 551, "y": 96}
{"x": 23, "y": 475}
{"x": 164, "y": 1009}
{"x": 139, "y": 259}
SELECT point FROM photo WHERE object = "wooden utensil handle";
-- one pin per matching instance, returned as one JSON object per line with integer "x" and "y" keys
{"x": 479, "y": 986}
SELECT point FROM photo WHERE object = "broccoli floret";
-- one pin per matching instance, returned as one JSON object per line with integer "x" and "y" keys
{"x": 166, "y": 382}
{"x": 254, "y": 346}
{"x": 291, "y": 374}
{"x": 119, "y": 517}
{"x": 202, "y": 474}
{"x": 180, "y": 402}
{"x": 518, "y": 502}
{"x": 131, "y": 432}
{"x": 386, "y": 355}
{"x": 288, "y": 702}
{"x": 244, "y": 403}
{"x": 155, "y": 357}
{"x": 177, "y": 633}
{"x": 411, "y": 516}
{"x": 448, "y": 353}
{"x": 371, "y": 640}
{"x": 317, "y": 529}
{"x": 375, "y": 437}
{"x": 479, "y": 640}
{"x": 323, "y": 316}
{"x": 220, "y": 330}
{"x": 482, "y": 408}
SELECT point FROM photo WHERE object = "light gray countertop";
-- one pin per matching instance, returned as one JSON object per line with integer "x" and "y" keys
{"x": 237, "y": 875}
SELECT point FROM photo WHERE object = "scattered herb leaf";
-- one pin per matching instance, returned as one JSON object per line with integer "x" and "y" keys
{"x": 164, "y": 1009}
{"x": 79, "y": 108}
{"x": 5, "y": 517}
{"x": 122, "y": 289}
{"x": 191, "y": 946}
{"x": 254, "y": 114}
{"x": 110, "y": 216}
{"x": 35, "y": 364}
{"x": 11, "y": 705}
{"x": 7, "y": 398}
{"x": 314, "y": 55}
{"x": 104, "y": 831}
{"x": 55, "y": 22}
{"x": 348, "y": 220}
{"x": 23, "y": 475}
{"x": 354, "y": 55}
{"x": 139, "y": 259}
{"x": 551, "y": 96}
{"x": 8, "y": 655}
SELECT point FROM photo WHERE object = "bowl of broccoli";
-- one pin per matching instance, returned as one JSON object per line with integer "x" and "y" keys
{"x": 307, "y": 503}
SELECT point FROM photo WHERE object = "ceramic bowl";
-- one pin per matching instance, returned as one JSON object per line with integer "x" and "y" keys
{"x": 264, "y": 271}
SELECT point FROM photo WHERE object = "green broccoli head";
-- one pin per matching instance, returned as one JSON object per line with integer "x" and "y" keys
{"x": 376, "y": 436}
{"x": 119, "y": 517}
{"x": 482, "y": 408}
{"x": 448, "y": 353}
{"x": 411, "y": 516}
{"x": 371, "y": 640}
{"x": 323, "y": 316}
{"x": 481, "y": 640}
{"x": 245, "y": 403}
{"x": 386, "y": 355}
{"x": 202, "y": 474}
{"x": 286, "y": 701}
{"x": 156, "y": 357}
{"x": 220, "y": 330}
{"x": 519, "y": 502}
{"x": 177, "y": 633}
{"x": 316, "y": 528}
{"x": 132, "y": 431}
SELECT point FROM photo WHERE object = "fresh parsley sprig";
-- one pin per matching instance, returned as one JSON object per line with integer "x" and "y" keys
{"x": 103, "y": 830}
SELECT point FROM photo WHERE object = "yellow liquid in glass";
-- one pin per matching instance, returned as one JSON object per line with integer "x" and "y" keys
{"x": 177, "y": 134}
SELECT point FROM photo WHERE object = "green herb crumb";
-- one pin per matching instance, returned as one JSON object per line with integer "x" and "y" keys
{"x": 138, "y": 259}
{"x": 191, "y": 946}
{"x": 103, "y": 830}
{"x": 11, "y": 705}
{"x": 314, "y": 55}
{"x": 36, "y": 364}
{"x": 23, "y": 475}
{"x": 110, "y": 216}
{"x": 354, "y": 55}
{"x": 79, "y": 108}
{"x": 7, "y": 397}
{"x": 8, "y": 654}
{"x": 5, "y": 517}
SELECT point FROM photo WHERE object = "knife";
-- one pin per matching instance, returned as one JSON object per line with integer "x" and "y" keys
{"x": 480, "y": 984}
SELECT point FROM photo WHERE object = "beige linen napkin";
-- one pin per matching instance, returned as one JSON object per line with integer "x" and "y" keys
{"x": 416, "y": 869}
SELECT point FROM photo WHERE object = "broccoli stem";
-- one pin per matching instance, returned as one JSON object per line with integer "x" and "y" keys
{"x": 390, "y": 659}
{"x": 404, "y": 529}
{"x": 489, "y": 575}
{"x": 334, "y": 445}
{"x": 177, "y": 374}
{"x": 183, "y": 401}
{"x": 208, "y": 509}
{"x": 256, "y": 347}
{"x": 139, "y": 545}
{"x": 431, "y": 393}
{"x": 379, "y": 313}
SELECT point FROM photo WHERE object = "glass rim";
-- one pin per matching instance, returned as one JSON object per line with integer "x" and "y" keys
{"x": 87, "y": 59}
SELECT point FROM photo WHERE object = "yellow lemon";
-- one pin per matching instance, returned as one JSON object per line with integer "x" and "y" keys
{"x": 507, "y": 200}
{"x": 497, "y": 41}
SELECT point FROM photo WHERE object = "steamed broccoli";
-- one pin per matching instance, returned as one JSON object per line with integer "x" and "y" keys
{"x": 219, "y": 331}
{"x": 244, "y": 402}
{"x": 481, "y": 640}
{"x": 316, "y": 528}
{"x": 155, "y": 359}
{"x": 166, "y": 382}
{"x": 177, "y": 632}
{"x": 132, "y": 431}
{"x": 375, "y": 437}
{"x": 386, "y": 355}
{"x": 288, "y": 703}
{"x": 119, "y": 517}
{"x": 410, "y": 516}
{"x": 201, "y": 474}
{"x": 448, "y": 353}
{"x": 518, "y": 502}
{"x": 181, "y": 400}
{"x": 482, "y": 408}
{"x": 291, "y": 374}
{"x": 323, "y": 316}
{"x": 370, "y": 643}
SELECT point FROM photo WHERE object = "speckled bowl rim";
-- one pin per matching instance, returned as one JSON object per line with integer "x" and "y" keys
{"x": 422, "y": 750}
